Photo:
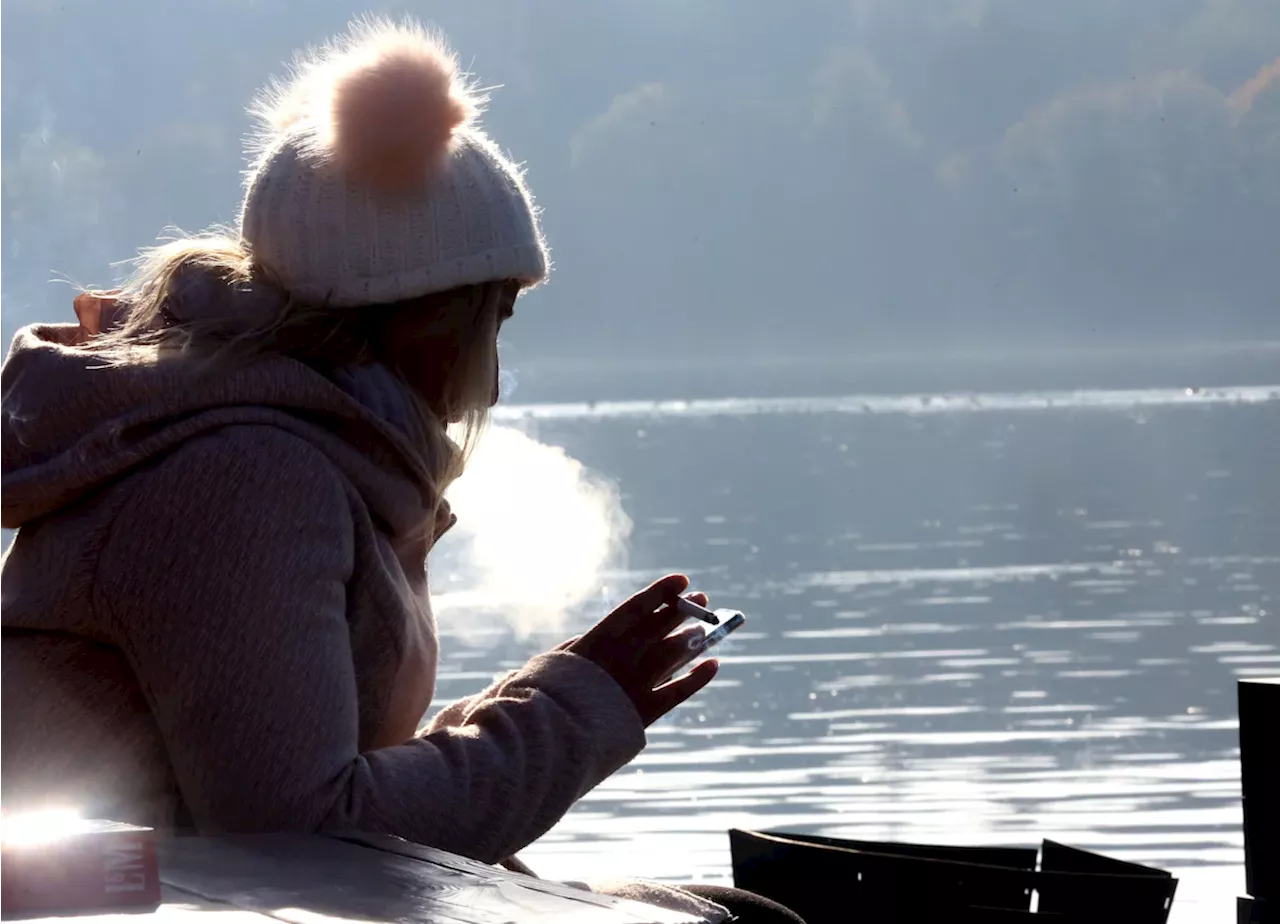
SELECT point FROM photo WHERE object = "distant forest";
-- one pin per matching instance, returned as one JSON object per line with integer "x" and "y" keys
{"x": 732, "y": 178}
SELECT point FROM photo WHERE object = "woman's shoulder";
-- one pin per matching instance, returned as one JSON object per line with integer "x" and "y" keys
{"x": 234, "y": 500}
{"x": 275, "y": 465}
{"x": 265, "y": 460}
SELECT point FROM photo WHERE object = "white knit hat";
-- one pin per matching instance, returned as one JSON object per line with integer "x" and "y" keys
{"x": 370, "y": 181}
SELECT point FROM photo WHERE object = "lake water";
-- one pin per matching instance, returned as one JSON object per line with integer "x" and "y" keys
{"x": 972, "y": 621}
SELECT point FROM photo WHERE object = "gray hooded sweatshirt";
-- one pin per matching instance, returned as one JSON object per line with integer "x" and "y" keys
{"x": 216, "y": 615}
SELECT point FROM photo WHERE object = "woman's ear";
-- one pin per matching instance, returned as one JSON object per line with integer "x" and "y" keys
{"x": 96, "y": 313}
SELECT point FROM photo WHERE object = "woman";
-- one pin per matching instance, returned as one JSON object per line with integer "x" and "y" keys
{"x": 227, "y": 479}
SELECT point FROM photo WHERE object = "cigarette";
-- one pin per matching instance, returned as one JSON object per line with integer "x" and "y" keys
{"x": 688, "y": 608}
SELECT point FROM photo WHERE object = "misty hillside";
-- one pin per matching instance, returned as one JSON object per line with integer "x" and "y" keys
{"x": 727, "y": 177}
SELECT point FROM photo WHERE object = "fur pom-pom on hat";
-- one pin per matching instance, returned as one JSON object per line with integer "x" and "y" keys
{"x": 370, "y": 179}
{"x": 383, "y": 101}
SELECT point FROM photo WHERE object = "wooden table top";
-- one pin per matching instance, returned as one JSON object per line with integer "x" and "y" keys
{"x": 367, "y": 878}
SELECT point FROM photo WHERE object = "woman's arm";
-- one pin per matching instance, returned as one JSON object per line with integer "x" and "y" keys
{"x": 225, "y": 575}
{"x": 458, "y": 712}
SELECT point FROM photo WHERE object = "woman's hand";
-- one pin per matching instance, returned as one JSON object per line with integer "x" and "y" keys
{"x": 635, "y": 645}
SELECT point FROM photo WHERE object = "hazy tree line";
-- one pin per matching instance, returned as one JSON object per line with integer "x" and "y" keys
{"x": 723, "y": 177}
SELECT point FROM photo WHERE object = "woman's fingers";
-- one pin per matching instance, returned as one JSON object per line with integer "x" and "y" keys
{"x": 667, "y": 618}
{"x": 634, "y": 644}
{"x": 671, "y": 653}
{"x": 667, "y": 697}
{"x": 636, "y": 614}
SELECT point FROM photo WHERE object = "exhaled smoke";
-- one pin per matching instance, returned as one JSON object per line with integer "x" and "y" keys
{"x": 537, "y": 531}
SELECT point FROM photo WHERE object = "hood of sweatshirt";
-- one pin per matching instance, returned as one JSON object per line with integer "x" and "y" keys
{"x": 72, "y": 424}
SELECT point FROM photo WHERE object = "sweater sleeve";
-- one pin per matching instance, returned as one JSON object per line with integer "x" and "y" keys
{"x": 225, "y": 579}
{"x": 459, "y": 712}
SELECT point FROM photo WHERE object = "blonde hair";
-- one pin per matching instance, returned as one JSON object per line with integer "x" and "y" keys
{"x": 202, "y": 299}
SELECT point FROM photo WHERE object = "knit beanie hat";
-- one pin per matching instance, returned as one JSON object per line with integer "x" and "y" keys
{"x": 371, "y": 181}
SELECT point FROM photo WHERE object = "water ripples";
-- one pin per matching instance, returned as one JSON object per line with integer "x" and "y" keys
{"x": 983, "y": 632}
